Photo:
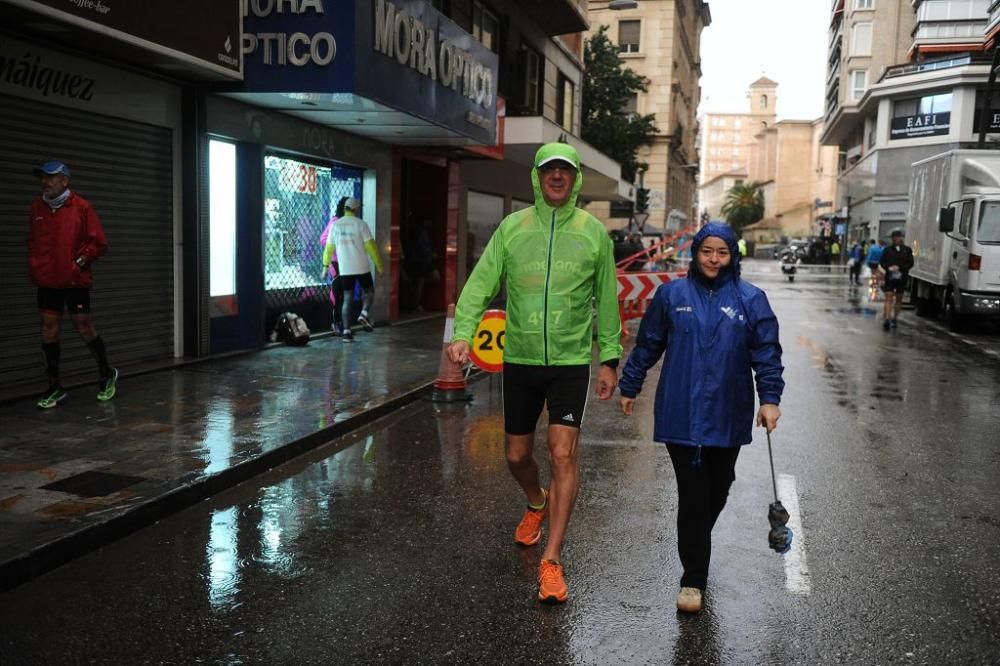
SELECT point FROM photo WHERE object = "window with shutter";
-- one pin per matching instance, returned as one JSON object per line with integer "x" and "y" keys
{"x": 628, "y": 36}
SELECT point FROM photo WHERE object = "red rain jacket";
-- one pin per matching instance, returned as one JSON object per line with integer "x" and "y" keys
{"x": 58, "y": 238}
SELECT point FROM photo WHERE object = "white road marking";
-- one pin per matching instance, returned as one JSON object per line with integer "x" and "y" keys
{"x": 796, "y": 568}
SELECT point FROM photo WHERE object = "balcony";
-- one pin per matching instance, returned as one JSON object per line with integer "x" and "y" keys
{"x": 832, "y": 99}
{"x": 950, "y": 27}
{"x": 555, "y": 17}
{"x": 834, "y": 57}
{"x": 993, "y": 24}
{"x": 833, "y": 73}
{"x": 934, "y": 65}
{"x": 836, "y": 35}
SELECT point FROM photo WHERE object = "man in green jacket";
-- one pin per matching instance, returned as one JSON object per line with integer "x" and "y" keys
{"x": 558, "y": 263}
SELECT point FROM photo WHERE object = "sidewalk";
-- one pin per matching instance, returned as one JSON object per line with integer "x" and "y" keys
{"x": 75, "y": 477}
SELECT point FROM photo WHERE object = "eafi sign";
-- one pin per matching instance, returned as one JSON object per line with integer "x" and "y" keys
{"x": 928, "y": 124}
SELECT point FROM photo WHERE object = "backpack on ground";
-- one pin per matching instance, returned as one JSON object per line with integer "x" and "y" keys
{"x": 290, "y": 329}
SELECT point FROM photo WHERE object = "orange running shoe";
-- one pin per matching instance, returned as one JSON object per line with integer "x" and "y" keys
{"x": 551, "y": 584}
{"x": 529, "y": 530}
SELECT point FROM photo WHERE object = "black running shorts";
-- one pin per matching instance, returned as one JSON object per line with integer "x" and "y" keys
{"x": 74, "y": 299}
{"x": 896, "y": 286}
{"x": 527, "y": 389}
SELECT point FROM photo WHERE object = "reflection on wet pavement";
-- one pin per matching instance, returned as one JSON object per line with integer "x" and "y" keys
{"x": 394, "y": 544}
{"x": 175, "y": 429}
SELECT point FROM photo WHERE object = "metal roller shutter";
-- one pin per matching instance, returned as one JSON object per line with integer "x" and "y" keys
{"x": 124, "y": 168}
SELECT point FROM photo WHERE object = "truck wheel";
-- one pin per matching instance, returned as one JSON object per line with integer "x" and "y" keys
{"x": 956, "y": 322}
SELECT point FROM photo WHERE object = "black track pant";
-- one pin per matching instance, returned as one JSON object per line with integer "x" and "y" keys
{"x": 702, "y": 491}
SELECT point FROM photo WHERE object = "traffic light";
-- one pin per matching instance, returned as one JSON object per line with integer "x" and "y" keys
{"x": 641, "y": 199}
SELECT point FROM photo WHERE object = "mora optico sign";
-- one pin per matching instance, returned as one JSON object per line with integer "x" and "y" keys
{"x": 400, "y": 53}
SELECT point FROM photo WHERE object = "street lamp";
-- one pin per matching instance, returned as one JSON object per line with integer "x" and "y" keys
{"x": 622, "y": 4}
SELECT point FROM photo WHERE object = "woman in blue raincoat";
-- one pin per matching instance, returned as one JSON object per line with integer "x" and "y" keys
{"x": 717, "y": 334}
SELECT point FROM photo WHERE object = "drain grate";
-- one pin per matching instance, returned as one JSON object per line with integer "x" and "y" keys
{"x": 93, "y": 484}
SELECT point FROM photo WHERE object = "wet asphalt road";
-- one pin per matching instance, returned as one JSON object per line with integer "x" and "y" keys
{"x": 394, "y": 545}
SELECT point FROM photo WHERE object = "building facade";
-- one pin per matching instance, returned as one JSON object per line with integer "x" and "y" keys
{"x": 216, "y": 139}
{"x": 728, "y": 138}
{"x": 712, "y": 194}
{"x": 661, "y": 40}
{"x": 109, "y": 95}
{"x": 785, "y": 157}
{"x": 906, "y": 80}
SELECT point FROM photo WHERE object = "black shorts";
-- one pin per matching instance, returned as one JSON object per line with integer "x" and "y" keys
{"x": 897, "y": 286}
{"x": 364, "y": 279}
{"x": 74, "y": 299}
{"x": 527, "y": 388}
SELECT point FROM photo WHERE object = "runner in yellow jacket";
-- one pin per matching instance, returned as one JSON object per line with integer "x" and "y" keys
{"x": 558, "y": 265}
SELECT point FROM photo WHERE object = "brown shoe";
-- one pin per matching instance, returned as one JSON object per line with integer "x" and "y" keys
{"x": 689, "y": 600}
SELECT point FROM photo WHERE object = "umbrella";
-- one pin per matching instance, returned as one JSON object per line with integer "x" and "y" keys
{"x": 780, "y": 536}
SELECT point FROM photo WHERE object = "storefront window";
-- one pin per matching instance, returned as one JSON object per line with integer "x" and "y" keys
{"x": 222, "y": 217}
{"x": 299, "y": 200}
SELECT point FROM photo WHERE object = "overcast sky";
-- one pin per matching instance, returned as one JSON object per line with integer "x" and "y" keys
{"x": 784, "y": 40}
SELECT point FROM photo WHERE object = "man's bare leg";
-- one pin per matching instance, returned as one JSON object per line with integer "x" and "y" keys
{"x": 522, "y": 466}
{"x": 565, "y": 484}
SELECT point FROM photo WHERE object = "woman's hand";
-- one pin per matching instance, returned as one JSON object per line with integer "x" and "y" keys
{"x": 626, "y": 405}
{"x": 768, "y": 416}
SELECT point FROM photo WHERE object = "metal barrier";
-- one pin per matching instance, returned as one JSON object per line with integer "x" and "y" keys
{"x": 635, "y": 291}
{"x": 664, "y": 250}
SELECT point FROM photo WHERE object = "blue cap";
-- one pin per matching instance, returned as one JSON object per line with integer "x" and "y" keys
{"x": 51, "y": 169}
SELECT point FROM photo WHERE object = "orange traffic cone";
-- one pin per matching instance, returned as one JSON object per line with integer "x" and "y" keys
{"x": 450, "y": 383}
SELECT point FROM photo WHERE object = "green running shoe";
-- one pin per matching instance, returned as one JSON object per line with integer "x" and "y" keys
{"x": 52, "y": 397}
{"x": 109, "y": 386}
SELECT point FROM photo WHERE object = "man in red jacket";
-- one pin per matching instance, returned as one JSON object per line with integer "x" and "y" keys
{"x": 66, "y": 238}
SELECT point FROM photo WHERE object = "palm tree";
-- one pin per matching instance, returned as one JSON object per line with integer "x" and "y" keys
{"x": 744, "y": 205}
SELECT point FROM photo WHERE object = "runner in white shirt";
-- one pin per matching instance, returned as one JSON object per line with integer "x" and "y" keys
{"x": 352, "y": 241}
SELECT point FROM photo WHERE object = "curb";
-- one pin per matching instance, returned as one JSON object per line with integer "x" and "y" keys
{"x": 23, "y": 568}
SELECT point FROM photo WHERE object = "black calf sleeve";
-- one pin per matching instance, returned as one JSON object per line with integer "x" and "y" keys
{"x": 100, "y": 355}
{"x": 51, "y": 351}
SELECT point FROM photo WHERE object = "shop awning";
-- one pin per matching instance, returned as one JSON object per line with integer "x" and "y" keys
{"x": 359, "y": 115}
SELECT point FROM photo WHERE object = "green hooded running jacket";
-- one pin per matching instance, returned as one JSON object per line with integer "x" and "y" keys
{"x": 558, "y": 264}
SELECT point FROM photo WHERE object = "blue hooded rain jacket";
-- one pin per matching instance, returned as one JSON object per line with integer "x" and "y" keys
{"x": 711, "y": 333}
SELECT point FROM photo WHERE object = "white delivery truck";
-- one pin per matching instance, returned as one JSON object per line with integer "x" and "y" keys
{"x": 954, "y": 229}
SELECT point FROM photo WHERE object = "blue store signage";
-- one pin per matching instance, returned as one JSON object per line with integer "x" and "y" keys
{"x": 401, "y": 54}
